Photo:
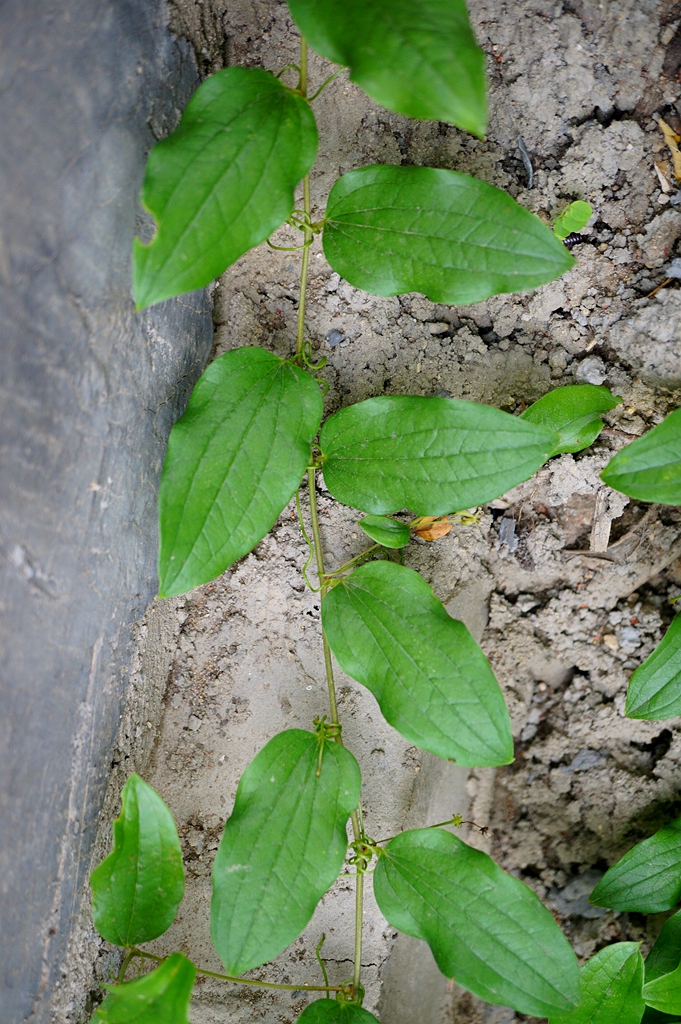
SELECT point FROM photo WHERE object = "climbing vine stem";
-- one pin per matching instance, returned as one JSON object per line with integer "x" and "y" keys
{"x": 333, "y": 704}
{"x": 316, "y": 536}
{"x": 300, "y": 338}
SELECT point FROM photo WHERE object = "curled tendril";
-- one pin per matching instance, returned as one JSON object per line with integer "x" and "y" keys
{"x": 351, "y": 993}
{"x": 289, "y": 68}
{"x": 290, "y": 248}
{"x": 302, "y": 220}
{"x": 325, "y": 731}
{"x": 323, "y": 86}
{"x": 307, "y": 358}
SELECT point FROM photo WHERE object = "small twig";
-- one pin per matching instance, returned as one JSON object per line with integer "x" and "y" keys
{"x": 600, "y": 530}
{"x": 656, "y": 290}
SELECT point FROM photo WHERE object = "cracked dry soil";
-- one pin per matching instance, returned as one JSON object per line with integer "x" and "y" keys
{"x": 565, "y": 583}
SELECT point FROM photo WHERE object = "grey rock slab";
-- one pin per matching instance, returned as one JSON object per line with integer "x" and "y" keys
{"x": 88, "y": 393}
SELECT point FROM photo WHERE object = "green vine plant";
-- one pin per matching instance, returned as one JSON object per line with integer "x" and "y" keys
{"x": 222, "y": 183}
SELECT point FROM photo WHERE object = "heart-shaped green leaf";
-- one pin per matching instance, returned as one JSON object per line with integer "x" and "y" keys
{"x": 333, "y": 1011}
{"x": 648, "y": 878}
{"x": 665, "y": 956}
{"x": 655, "y": 687}
{"x": 162, "y": 996}
{"x": 430, "y": 455}
{"x": 650, "y": 468}
{"x": 664, "y": 993}
{"x": 417, "y": 57}
{"x": 574, "y": 412}
{"x": 282, "y": 847}
{"x": 136, "y": 891}
{"x": 611, "y": 988}
{"x": 234, "y": 462}
{"x": 391, "y": 230}
{"x": 223, "y": 181}
{"x": 487, "y": 930}
{"x": 431, "y": 680}
{"x": 387, "y": 532}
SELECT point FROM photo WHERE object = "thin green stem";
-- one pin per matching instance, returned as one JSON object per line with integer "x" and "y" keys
{"x": 323, "y": 86}
{"x": 315, "y": 590}
{"x": 353, "y": 561}
{"x": 302, "y": 84}
{"x": 288, "y": 67}
{"x": 456, "y": 820}
{"x": 355, "y": 817}
{"x": 124, "y": 966}
{"x": 307, "y": 208}
{"x": 316, "y": 536}
{"x": 318, "y": 954}
{"x": 359, "y": 921}
{"x": 300, "y": 336}
{"x": 304, "y": 987}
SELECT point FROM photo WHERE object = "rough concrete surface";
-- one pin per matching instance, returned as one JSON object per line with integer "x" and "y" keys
{"x": 566, "y": 583}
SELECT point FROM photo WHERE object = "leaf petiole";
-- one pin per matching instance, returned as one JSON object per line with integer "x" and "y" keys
{"x": 351, "y": 563}
{"x": 304, "y": 987}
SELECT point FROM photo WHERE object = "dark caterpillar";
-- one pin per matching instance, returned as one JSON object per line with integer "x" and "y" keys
{"x": 573, "y": 239}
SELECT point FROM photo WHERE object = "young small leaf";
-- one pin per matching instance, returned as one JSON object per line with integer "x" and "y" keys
{"x": 431, "y": 455}
{"x": 431, "y": 680}
{"x": 136, "y": 891}
{"x": 161, "y": 996}
{"x": 654, "y": 691}
{"x": 416, "y": 57}
{"x": 611, "y": 988}
{"x": 665, "y": 956}
{"x": 573, "y": 218}
{"x": 282, "y": 847}
{"x": 458, "y": 240}
{"x": 223, "y": 181}
{"x": 648, "y": 878}
{"x": 664, "y": 993}
{"x": 487, "y": 930}
{"x": 386, "y": 531}
{"x": 575, "y": 412}
{"x": 333, "y": 1011}
{"x": 650, "y": 468}
{"x": 234, "y": 462}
